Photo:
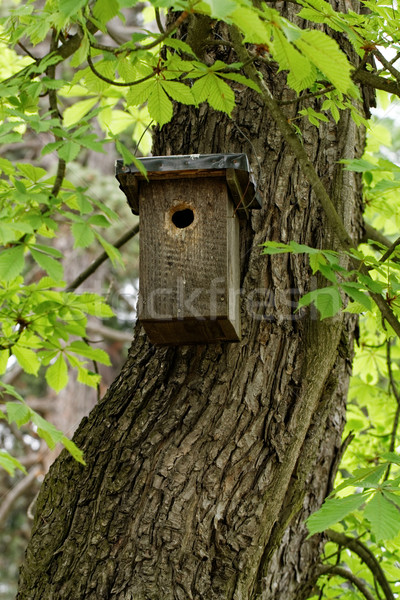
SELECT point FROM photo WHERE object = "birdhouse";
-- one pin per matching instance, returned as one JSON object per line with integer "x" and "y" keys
{"x": 189, "y": 280}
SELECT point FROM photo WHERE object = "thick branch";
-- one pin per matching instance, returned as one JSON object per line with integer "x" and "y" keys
{"x": 366, "y": 556}
{"x": 377, "y": 82}
{"x": 376, "y": 236}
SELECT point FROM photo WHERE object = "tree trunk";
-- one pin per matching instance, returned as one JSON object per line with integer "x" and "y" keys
{"x": 203, "y": 462}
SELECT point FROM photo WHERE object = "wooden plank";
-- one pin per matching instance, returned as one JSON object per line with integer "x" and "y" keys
{"x": 185, "y": 273}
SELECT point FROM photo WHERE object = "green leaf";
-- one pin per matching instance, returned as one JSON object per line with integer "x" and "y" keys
{"x": 241, "y": 79}
{"x": 254, "y": 29}
{"x": 113, "y": 253}
{"x": 52, "y": 267}
{"x": 9, "y": 463}
{"x": 73, "y": 449}
{"x": 83, "y": 235}
{"x": 73, "y": 114}
{"x": 327, "y": 300}
{"x": 159, "y": 105}
{"x": 4, "y": 356}
{"x": 88, "y": 378}
{"x": 27, "y": 359}
{"x": 47, "y": 431}
{"x": 84, "y": 349}
{"x": 18, "y": 413}
{"x": 11, "y": 263}
{"x": 301, "y": 72}
{"x": 31, "y": 172}
{"x": 357, "y": 295}
{"x": 383, "y": 516}
{"x": 332, "y": 511}
{"x": 179, "y": 45}
{"x": 178, "y": 91}
{"x": 99, "y": 221}
{"x": 57, "y": 374}
{"x": 221, "y": 8}
{"x": 68, "y": 151}
{"x": 105, "y": 10}
{"x": 71, "y": 7}
{"x": 325, "y": 54}
{"x": 140, "y": 93}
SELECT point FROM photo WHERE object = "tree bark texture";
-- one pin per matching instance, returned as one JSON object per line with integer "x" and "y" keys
{"x": 204, "y": 461}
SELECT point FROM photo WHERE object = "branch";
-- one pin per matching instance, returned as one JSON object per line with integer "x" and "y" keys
{"x": 387, "y": 64}
{"x": 159, "y": 39}
{"x": 346, "y": 574}
{"x": 370, "y": 233}
{"x": 366, "y": 556}
{"x": 397, "y": 396}
{"x": 111, "y": 81}
{"x": 390, "y": 250}
{"x": 100, "y": 259}
{"x": 17, "y": 491}
{"x": 326, "y": 90}
{"x": 158, "y": 20}
{"x": 377, "y": 82}
{"x": 53, "y": 103}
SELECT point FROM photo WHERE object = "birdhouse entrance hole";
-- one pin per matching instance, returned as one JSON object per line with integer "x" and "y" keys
{"x": 182, "y": 217}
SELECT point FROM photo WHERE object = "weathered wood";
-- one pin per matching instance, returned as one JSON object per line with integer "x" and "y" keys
{"x": 189, "y": 276}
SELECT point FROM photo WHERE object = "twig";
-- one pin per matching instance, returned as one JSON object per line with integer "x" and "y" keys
{"x": 182, "y": 17}
{"x": 366, "y": 556}
{"x": 387, "y": 64}
{"x": 158, "y": 20}
{"x": 118, "y": 83}
{"x": 346, "y": 574}
{"x": 326, "y": 90}
{"x": 397, "y": 397}
{"x": 53, "y": 104}
{"x": 100, "y": 259}
{"x": 17, "y": 491}
{"x": 20, "y": 44}
{"x": 390, "y": 250}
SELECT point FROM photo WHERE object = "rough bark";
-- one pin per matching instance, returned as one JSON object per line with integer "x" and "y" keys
{"x": 204, "y": 461}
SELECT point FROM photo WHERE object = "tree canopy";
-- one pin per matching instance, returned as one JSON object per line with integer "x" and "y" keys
{"x": 69, "y": 78}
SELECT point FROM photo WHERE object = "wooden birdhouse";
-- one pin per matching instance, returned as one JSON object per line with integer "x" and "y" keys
{"x": 189, "y": 281}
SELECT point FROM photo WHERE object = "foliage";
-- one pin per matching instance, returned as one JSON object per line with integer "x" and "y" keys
{"x": 121, "y": 91}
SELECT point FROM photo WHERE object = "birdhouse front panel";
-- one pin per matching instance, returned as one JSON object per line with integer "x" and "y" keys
{"x": 189, "y": 261}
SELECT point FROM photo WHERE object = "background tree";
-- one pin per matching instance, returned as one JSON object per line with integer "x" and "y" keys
{"x": 203, "y": 462}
